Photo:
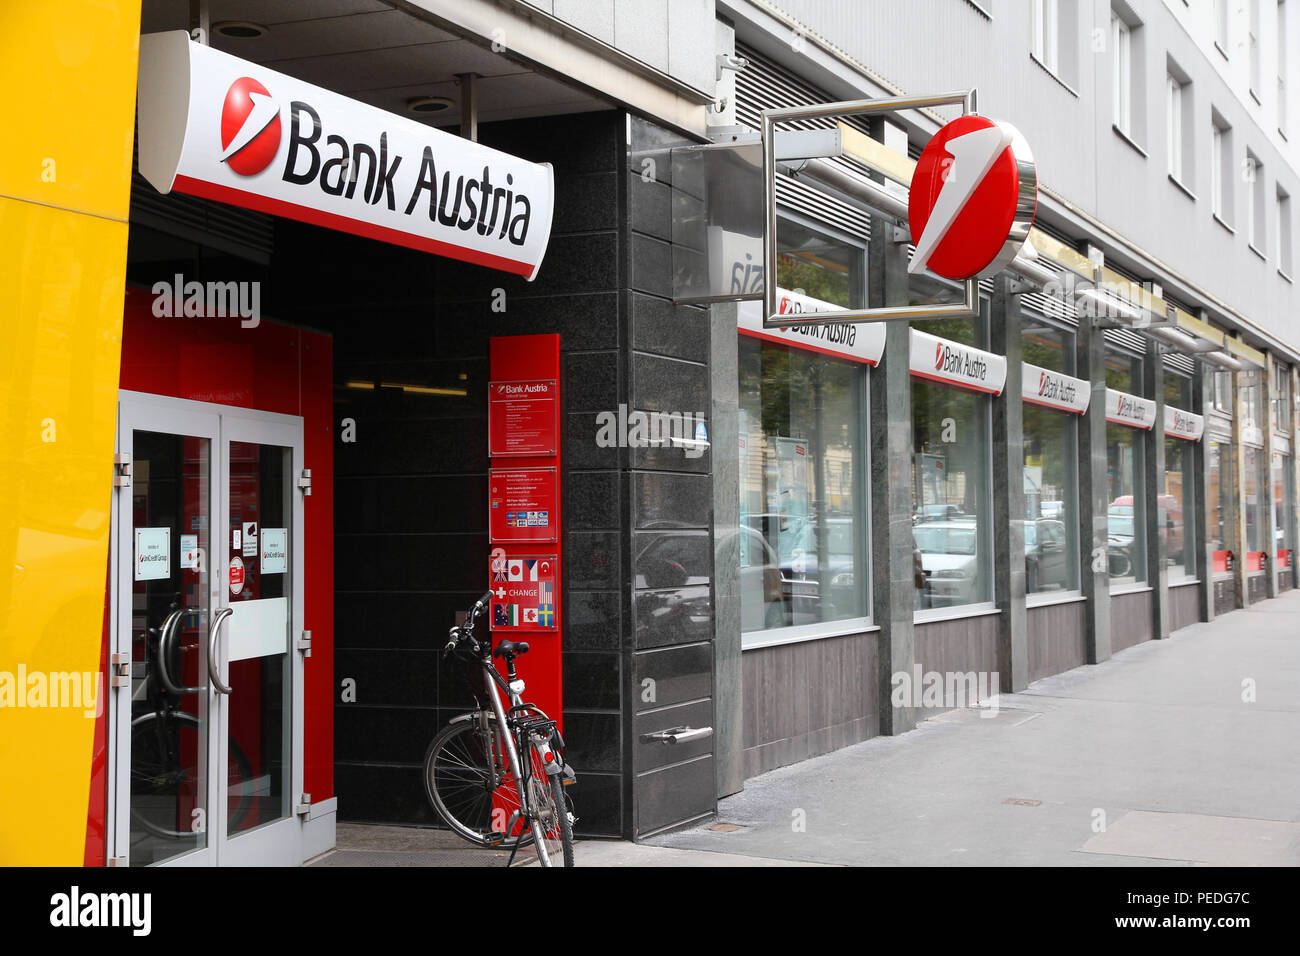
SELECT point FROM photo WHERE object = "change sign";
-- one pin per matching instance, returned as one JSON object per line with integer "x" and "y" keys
{"x": 216, "y": 126}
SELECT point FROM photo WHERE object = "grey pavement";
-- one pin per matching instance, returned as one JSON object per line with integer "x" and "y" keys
{"x": 1156, "y": 744}
{"x": 1152, "y": 758}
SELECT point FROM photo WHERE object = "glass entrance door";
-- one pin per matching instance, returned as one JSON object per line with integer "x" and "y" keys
{"x": 206, "y": 585}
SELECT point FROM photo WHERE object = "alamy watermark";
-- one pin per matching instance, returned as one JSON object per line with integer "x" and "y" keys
{"x": 637, "y": 429}
{"x": 208, "y": 300}
{"x": 80, "y": 690}
{"x": 934, "y": 689}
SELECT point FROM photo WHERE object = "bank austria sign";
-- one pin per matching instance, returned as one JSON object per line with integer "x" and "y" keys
{"x": 1131, "y": 410}
{"x": 1041, "y": 386}
{"x": 960, "y": 366}
{"x": 864, "y": 342}
{"x": 216, "y": 126}
{"x": 1181, "y": 424}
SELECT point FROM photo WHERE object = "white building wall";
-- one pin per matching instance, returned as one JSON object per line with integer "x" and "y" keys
{"x": 937, "y": 45}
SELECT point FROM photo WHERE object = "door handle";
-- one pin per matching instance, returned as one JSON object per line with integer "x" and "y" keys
{"x": 677, "y": 735}
{"x": 217, "y": 620}
{"x": 164, "y": 651}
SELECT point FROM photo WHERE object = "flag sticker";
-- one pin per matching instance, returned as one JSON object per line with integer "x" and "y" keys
{"x": 515, "y": 571}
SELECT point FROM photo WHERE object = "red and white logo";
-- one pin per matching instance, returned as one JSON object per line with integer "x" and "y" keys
{"x": 973, "y": 198}
{"x": 938, "y": 355}
{"x": 250, "y": 127}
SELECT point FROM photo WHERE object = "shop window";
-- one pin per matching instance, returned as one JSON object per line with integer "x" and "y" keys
{"x": 1220, "y": 499}
{"x": 1050, "y": 474}
{"x": 1255, "y": 483}
{"x": 1126, "y": 472}
{"x": 1221, "y": 391}
{"x": 951, "y": 478}
{"x": 1281, "y": 398}
{"x": 803, "y": 504}
{"x": 1175, "y": 503}
{"x": 1251, "y": 407}
{"x": 803, "y": 438}
{"x": 1283, "y": 508}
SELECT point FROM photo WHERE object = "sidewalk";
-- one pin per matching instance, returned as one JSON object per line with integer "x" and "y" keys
{"x": 1152, "y": 758}
{"x": 1156, "y": 744}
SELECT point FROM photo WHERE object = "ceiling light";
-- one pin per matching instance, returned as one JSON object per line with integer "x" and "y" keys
{"x": 240, "y": 29}
{"x": 428, "y": 104}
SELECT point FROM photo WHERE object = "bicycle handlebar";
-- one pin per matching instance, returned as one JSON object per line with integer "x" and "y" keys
{"x": 465, "y": 632}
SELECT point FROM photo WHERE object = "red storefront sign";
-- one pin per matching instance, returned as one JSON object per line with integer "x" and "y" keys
{"x": 1254, "y": 560}
{"x": 522, "y": 504}
{"x": 524, "y": 595}
{"x": 1284, "y": 559}
{"x": 523, "y": 418}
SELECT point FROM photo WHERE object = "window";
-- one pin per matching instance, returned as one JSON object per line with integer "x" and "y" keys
{"x": 1126, "y": 473}
{"x": 803, "y": 486}
{"x": 1122, "y": 78}
{"x": 1255, "y": 485}
{"x": 1282, "y": 124}
{"x": 1221, "y": 25}
{"x": 1252, "y": 411}
{"x": 1281, "y": 398}
{"x": 1044, "y": 19}
{"x": 1174, "y": 126}
{"x": 1253, "y": 171}
{"x": 951, "y": 479}
{"x": 1219, "y": 499}
{"x": 1221, "y": 170}
{"x": 1284, "y": 264}
{"x": 1050, "y": 473}
{"x": 1175, "y": 503}
{"x": 1252, "y": 50}
{"x": 1221, "y": 391}
{"x": 1283, "y": 504}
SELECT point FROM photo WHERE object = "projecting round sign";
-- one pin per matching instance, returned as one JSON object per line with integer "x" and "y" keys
{"x": 973, "y": 198}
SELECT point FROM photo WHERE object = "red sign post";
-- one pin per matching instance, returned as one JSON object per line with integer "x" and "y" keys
{"x": 524, "y": 508}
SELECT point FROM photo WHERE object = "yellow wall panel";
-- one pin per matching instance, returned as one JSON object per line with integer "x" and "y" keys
{"x": 69, "y": 69}
{"x": 60, "y": 321}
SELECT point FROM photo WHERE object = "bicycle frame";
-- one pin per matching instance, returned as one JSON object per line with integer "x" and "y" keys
{"x": 522, "y": 771}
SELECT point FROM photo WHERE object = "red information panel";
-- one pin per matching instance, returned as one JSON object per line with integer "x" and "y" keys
{"x": 1284, "y": 559}
{"x": 523, "y": 418}
{"x": 522, "y": 505}
{"x": 523, "y": 592}
{"x": 1254, "y": 560}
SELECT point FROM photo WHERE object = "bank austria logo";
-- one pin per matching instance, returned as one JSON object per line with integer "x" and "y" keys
{"x": 1042, "y": 382}
{"x": 938, "y": 356}
{"x": 250, "y": 127}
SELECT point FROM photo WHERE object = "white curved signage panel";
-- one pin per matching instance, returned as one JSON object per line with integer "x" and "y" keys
{"x": 216, "y": 126}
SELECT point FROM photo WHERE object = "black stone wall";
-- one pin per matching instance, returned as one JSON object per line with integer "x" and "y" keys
{"x": 411, "y": 546}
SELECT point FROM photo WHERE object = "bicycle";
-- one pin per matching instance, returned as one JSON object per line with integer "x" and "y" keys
{"x": 473, "y": 773}
{"x": 166, "y": 744}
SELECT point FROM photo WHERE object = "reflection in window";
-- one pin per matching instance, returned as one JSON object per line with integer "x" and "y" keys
{"x": 1176, "y": 519}
{"x": 819, "y": 266}
{"x": 1050, "y": 474}
{"x": 1125, "y": 471}
{"x": 803, "y": 507}
{"x": 1126, "y": 513}
{"x": 1255, "y": 482}
{"x": 1284, "y": 507}
{"x": 950, "y": 482}
{"x": 1219, "y": 499}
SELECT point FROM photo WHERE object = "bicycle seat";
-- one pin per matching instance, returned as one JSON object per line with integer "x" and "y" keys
{"x": 510, "y": 649}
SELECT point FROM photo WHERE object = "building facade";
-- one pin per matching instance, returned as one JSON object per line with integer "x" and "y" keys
{"x": 761, "y": 529}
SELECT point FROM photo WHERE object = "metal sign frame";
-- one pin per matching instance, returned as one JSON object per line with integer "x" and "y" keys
{"x": 894, "y": 104}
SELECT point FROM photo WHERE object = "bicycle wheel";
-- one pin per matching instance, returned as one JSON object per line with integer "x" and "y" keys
{"x": 550, "y": 809}
{"x": 164, "y": 773}
{"x": 470, "y": 786}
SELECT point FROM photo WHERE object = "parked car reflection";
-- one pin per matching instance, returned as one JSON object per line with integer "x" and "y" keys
{"x": 948, "y": 557}
{"x": 1047, "y": 560}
